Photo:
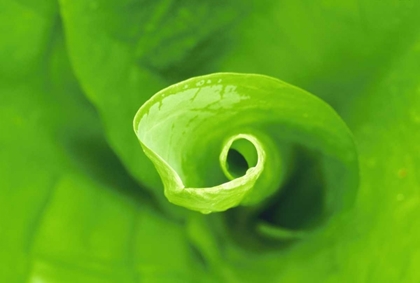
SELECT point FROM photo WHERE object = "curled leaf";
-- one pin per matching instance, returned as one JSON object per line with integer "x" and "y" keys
{"x": 228, "y": 139}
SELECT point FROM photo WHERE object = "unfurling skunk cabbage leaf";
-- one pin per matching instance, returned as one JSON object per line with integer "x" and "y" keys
{"x": 229, "y": 139}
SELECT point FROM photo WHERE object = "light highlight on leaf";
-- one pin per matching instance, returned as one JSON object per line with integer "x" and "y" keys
{"x": 228, "y": 139}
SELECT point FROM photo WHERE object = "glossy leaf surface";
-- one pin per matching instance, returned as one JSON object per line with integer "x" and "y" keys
{"x": 69, "y": 210}
{"x": 188, "y": 130}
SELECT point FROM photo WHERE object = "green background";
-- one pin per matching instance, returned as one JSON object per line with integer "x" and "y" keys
{"x": 79, "y": 202}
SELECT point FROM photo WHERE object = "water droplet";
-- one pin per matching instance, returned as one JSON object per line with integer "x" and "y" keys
{"x": 200, "y": 83}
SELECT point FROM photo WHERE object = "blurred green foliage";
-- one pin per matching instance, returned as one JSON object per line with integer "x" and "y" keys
{"x": 79, "y": 202}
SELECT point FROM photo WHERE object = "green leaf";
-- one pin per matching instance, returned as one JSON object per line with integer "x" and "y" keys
{"x": 107, "y": 71}
{"x": 189, "y": 129}
{"x": 130, "y": 43}
{"x": 333, "y": 49}
{"x": 69, "y": 212}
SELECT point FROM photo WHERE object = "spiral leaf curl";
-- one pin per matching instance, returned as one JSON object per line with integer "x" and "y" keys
{"x": 227, "y": 139}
